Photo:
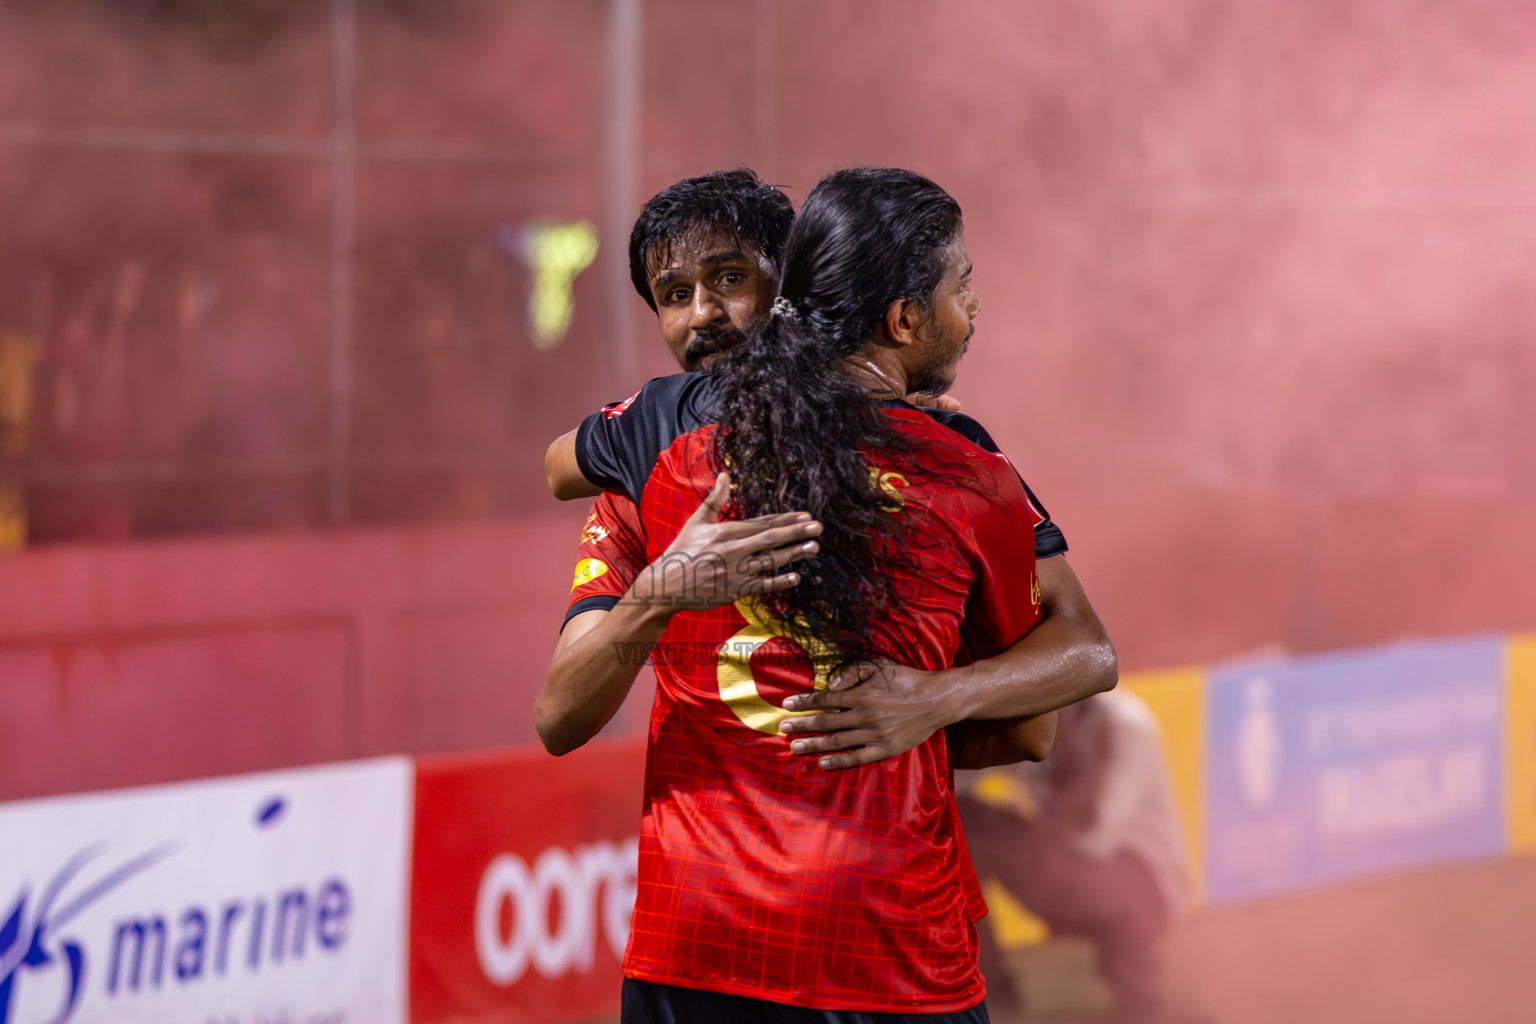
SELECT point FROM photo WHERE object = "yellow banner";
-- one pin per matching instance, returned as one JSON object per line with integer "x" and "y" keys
{"x": 1520, "y": 740}
{"x": 1177, "y": 698}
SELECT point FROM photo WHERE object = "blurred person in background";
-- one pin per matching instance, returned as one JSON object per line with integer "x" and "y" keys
{"x": 1093, "y": 847}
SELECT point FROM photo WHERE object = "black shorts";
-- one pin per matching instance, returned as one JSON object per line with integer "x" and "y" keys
{"x": 646, "y": 1002}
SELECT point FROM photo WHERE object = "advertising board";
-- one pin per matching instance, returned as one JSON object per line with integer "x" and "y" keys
{"x": 523, "y": 883}
{"x": 1322, "y": 769}
{"x": 276, "y": 898}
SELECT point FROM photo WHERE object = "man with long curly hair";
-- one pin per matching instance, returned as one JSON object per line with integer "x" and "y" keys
{"x": 770, "y": 886}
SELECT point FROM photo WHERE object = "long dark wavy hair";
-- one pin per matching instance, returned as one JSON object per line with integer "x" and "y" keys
{"x": 796, "y": 432}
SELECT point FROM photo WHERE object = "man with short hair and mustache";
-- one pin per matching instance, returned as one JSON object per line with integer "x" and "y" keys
{"x": 704, "y": 256}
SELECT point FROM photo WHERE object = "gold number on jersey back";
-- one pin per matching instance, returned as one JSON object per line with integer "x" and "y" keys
{"x": 738, "y": 687}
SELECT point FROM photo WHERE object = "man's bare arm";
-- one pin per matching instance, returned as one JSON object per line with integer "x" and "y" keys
{"x": 985, "y": 743}
{"x": 595, "y": 664}
{"x": 563, "y": 472}
{"x": 887, "y": 709}
{"x": 1064, "y": 659}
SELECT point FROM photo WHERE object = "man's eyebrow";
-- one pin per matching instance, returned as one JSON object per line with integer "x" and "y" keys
{"x": 729, "y": 256}
{"x": 714, "y": 259}
{"x": 661, "y": 283}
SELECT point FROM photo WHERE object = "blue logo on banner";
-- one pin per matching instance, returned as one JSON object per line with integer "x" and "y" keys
{"x": 151, "y": 949}
{"x": 1324, "y": 769}
{"x": 34, "y": 943}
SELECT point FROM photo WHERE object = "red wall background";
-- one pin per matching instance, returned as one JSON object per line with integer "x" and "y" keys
{"x": 1257, "y": 327}
{"x": 156, "y": 661}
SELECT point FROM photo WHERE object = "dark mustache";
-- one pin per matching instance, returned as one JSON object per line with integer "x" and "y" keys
{"x": 711, "y": 340}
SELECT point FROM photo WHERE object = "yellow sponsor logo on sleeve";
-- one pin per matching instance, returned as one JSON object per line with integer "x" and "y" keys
{"x": 587, "y": 570}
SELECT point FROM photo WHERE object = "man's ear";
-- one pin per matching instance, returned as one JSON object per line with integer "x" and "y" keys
{"x": 902, "y": 319}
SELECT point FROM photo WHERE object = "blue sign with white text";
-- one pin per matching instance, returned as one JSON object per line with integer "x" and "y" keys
{"x": 1322, "y": 769}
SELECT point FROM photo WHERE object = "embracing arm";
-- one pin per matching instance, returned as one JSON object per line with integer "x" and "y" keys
{"x": 986, "y": 743}
{"x": 595, "y": 664}
{"x": 708, "y": 564}
{"x": 1064, "y": 659}
{"x": 1002, "y": 703}
{"x": 563, "y": 472}
{"x": 617, "y": 446}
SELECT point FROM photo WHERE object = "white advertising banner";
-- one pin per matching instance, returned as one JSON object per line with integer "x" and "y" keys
{"x": 277, "y": 898}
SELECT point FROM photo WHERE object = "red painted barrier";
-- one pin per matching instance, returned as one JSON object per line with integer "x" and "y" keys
{"x": 523, "y": 880}
{"x": 146, "y": 663}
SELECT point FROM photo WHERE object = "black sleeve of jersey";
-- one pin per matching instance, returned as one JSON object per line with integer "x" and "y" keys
{"x": 619, "y": 449}
{"x": 597, "y": 602}
{"x": 1049, "y": 539}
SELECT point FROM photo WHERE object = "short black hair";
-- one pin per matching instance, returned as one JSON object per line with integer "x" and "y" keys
{"x": 737, "y": 202}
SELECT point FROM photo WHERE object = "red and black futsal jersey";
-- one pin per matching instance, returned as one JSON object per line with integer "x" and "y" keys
{"x": 761, "y": 873}
{"x": 614, "y": 456}
{"x": 609, "y": 557}
{"x": 611, "y": 551}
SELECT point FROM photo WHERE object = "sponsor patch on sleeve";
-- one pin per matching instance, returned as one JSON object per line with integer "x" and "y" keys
{"x": 617, "y": 408}
{"x": 587, "y": 570}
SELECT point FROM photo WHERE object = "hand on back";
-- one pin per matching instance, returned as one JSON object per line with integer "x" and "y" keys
{"x": 711, "y": 563}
